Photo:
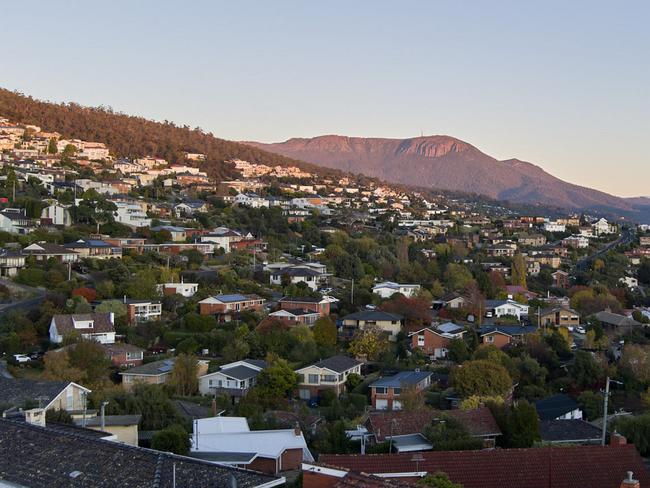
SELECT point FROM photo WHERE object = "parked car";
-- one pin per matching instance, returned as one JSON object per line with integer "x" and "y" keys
{"x": 581, "y": 330}
{"x": 21, "y": 358}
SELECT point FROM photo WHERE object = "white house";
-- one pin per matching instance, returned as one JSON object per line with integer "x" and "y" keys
{"x": 554, "y": 227}
{"x": 57, "y": 214}
{"x": 99, "y": 327}
{"x": 233, "y": 379}
{"x": 629, "y": 281}
{"x": 251, "y": 200}
{"x": 602, "y": 227}
{"x": 131, "y": 214}
{"x": 231, "y": 442}
{"x": 295, "y": 275}
{"x": 184, "y": 289}
{"x": 15, "y": 221}
{"x": 499, "y": 308}
{"x": 388, "y": 289}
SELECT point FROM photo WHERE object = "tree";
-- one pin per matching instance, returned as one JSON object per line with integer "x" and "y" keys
{"x": 636, "y": 362}
{"x": 184, "y": 378}
{"x": 90, "y": 356}
{"x": 636, "y": 429}
{"x": 353, "y": 380}
{"x": 325, "y": 332}
{"x": 277, "y": 381}
{"x": 144, "y": 285}
{"x": 457, "y": 276}
{"x": 481, "y": 377}
{"x": 449, "y": 434}
{"x": 171, "y": 439}
{"x": 458, "y": 351}
{"x": 438, "y": 480}
{"x": 523, "y": 425}
{"x": 369, "y": 343}
{"x": 591, "y": 403}
{"x": 518, "y": 271}
{"x": 115, "y": 306}
{"x": 585, "y": 370}
{"x": 411, "y": 399}
{"x": 51, "y": 146}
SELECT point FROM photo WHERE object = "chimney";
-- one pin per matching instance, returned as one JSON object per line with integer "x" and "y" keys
{"x": 213, "y": 407}
{"x": 296, "y": 430}
{"x": 617, "y": 439}
{"x": 630, "y": 482}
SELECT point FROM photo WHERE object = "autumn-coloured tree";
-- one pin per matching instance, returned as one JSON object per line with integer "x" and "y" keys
{"x": 88, "y": 293}
{"x": 518, "y": 271}
{"x": 184, "y": 377}
{"x": 480, "y": 377}
{"x": 325, "y": 333}
{"x": 369, "y": 343}
{"x": 415, "y": 311}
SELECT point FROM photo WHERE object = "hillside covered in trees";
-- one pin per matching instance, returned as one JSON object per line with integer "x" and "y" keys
{"x": 129, "y": 136}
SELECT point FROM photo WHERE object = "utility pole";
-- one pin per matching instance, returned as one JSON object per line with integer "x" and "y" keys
{"x": 604, "y": 433}
{"x": 352, "y": 292}
{"x": 103, "y": 415}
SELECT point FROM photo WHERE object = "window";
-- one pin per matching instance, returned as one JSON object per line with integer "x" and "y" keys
{"x": 397, "y": 391}
{"x": 313, "y": 379}
{"x": 380, "y": 390}
{"x": 421, "y": 340}
{"x": 69, "y": 397}
{"x": 489, "y": 339}
{"x": 329, "y": 378}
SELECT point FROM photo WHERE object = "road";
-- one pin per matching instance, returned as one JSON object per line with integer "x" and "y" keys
{"x": 627, "y": 236}
{"x": 3, "y": 370}
{"x": 37, "y": 297}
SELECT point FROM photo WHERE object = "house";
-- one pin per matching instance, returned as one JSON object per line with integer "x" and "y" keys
{"x": 391, "y": 323}
{"x": 629, "y": 281}
{"x": 43, "y": 251}
{"x": 296, "y": 316}
{"x": 11, "y": 262}
{"x": 230, "y": 441}
{"x": 388, "y": 289}
{"x": 328, "y": 374}
{"x": 385, "y": 392}
{"x": 47, "y": 456}
{"x": 320, "y": 305}
{"x": 450, "y": 300}
{"x": 189, "y": 208}
{"x": 501, "y": 250}
{"x": 99, "y": 327}
{"x": 123, "y": 428}
{"x": 184, "y": 289}
{"x": 251, "y": 200}
{"x": 406, "y": 427}
{"x": 560, "y": 279}
{"x": 558, "y": 407}
{"x": 50, "y": 395}
{"x": 602, "y": 227}
{"x": 130, "y": 213}
{"x": 500, "y": 308}
{"x": 569, "y": 431}
{"x": 296, "y": 275}
{"x": 559, "y": 317}
{"x": 177, "y": 234}
{"x": 229, "y": 305}
{"x": 232, "y": 379}
{"x": 434, "y": 341}
{"x": 142, "y": 310}
{"x": 554, "y": 227}
{"x": 94, "y": 248}
{"x": 532, "y": 240}
{"x": 56, "y": 214}
{"x": 577, "y": 242}
{"x": 543, "y": 467}
{"x": 15, "y": 221}
{"x": 606, "y": 317}
{"x": 503, "y": 335}
{"x": 155, "y": 373}
{"x": 124, "y": 355}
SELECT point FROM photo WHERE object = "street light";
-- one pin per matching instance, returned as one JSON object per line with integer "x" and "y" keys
{"x": 604, "y": 433}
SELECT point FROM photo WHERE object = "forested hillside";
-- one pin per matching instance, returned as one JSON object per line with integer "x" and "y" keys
{"x": 129, "y": 136}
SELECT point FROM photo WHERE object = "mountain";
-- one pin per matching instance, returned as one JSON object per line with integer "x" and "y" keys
{"x": 129, "y": 136}
{"x": 447, "y": 163}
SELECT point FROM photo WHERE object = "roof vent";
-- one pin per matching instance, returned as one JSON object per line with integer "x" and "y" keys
{"x": 75, "y": 474}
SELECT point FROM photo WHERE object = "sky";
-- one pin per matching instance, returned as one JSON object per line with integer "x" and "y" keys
{"x": 562, "y": 84}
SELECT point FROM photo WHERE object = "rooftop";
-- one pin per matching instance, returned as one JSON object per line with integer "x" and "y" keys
{"x": 403, "y": 378}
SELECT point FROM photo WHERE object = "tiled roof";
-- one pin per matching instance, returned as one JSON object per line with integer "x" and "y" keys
{"x": 555, "y": 406}
{"x": 115, "y": 420}
{"x": 16, "y": 392}
{"x": 156, "y": 368}
{"x": 373, "y": 315}
{"x": 403, "y": 378}
{"x": 240, "y": 372}
{"x": 101, "y": 323}
{"x": 40, "y": 457}
{"x": 338, "y": 363}
{"x": 615, "y": 319}
{"x": 544, "y": 467}
{"x": 479, "y": 422}
{"x": 573, "y": 430}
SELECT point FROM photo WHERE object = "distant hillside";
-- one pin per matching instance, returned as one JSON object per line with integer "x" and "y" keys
{"x": 129, "y": 136}
{"x": 447, "y": 163}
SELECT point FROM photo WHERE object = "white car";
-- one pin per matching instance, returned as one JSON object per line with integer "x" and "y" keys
{"x": 581, "y": 330}
{"x": 22, "y": 358}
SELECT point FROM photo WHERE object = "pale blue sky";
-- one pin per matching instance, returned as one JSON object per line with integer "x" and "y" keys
{"x": 564, "y": 84}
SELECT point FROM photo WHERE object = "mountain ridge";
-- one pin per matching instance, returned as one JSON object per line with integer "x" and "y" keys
{"x": 447, "y": 163}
